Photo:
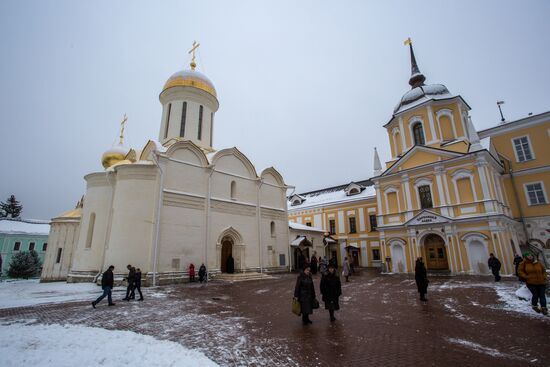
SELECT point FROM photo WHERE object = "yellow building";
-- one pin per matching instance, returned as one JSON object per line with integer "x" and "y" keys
{"x": 449, "y": 194}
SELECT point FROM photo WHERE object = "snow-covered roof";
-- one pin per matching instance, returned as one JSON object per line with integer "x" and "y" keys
{"x": 24, "y": 226}
{"x": 297, "y": 241}
{"x": 333, "y": 195}
{"x": 303, "y": 227}
{"x": 419, "y": 95}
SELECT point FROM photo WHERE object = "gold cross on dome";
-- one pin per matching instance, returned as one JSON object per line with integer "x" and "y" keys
{"x": 408, "y": 41}
{"x": 192, "y": 52}
{"x": 122, "y": 124}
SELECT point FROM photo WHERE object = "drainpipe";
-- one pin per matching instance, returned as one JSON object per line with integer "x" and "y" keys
{"x": 207, "y": 213}
{"x": 259, "y": 215}
{"x": 288, "y": 228}
{"x": 157, "y": 221}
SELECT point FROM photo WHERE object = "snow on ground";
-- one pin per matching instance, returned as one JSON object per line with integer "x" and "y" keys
{"x": 54, "y": 345}
{"x": 21, "y": 293}
{"x": 480, "y": 348}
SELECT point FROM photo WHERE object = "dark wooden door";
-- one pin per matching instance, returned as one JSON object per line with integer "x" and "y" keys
{"x": 436, "y": 255}
{"x": 227, "y": 249}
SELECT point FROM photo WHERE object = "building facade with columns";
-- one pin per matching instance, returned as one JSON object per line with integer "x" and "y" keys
{"x": 174, "y": 202}
{"x": 449, "y": 194}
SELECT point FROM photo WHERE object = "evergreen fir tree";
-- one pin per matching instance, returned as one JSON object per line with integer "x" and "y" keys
{"x": 11, "y": 208}
{"x": 24, "y": 265}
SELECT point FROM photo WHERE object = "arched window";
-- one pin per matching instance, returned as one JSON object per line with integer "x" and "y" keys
{"x": 90, "y": 235}
{"x": 272, "y": 225}
{"x": 397, "y": 142}
{"x": 425, "y": 196}
{"x": 233, "y": 190}
{"x": 418, "y": 134}
{"x": 211, "y": 129}
{"x": 183, "y": 117}
{"x": 199, "y": 135}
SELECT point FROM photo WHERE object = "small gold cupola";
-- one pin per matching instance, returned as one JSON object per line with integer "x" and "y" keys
{"x": 118, "y": 151}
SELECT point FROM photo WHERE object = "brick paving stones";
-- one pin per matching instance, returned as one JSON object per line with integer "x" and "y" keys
{"x": 381, "y": 323}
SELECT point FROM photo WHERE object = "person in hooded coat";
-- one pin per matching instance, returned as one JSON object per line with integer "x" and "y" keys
{"x": 202, "y": 273}
{"x": 533, "y": 273}
{"x": 230, "y": 265}
{"x": 304, "y": 292}
{"x": 346, "y": 270}
{"x": 421, "y": 278}
{"x": 313, "y": 265}
{"x": 331, "y": 289}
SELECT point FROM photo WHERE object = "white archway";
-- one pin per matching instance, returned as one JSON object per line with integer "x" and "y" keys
{"x": 478, "y": 252}
{"x": 398, "y": 258}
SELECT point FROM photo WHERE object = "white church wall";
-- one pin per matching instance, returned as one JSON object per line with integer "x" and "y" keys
{"x": 64, "y": 235}
{"x": 185, "y": 178}
{"x": 245, "y": 189}
{"x": 87, "y": 260}
{"x": 133, "y": 217}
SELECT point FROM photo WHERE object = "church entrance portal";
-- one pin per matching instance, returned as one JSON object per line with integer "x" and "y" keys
{"x": 227, "y": 262}
{"x": 436, "y": 255}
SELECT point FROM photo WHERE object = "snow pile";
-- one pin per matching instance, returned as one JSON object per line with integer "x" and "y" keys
{"x": 24, "y": 226}
{"x": 60, "y": 346}
{"x": 21, "y": 293}
{"x": 517, "y": 300}
{"x": 480, "y": 348}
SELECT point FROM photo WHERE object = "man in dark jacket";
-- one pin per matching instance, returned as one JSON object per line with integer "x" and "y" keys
{"x": 331, "y": 289}
{"x": 137, "y": 285}
{"x": 517, "y": 260}
{"x": 131, "y": 278}
{"x": 494, "y": 265}
{"x": 107, "y": 283}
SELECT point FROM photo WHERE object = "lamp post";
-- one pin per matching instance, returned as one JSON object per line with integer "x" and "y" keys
{"x": 500, "y": 109}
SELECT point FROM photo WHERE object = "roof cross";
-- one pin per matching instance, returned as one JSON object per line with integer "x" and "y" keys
{"x": 192, "y": 52}
{"x": 122, "y": 124}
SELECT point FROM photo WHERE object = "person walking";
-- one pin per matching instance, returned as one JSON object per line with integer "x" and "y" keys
{"x": 533, "y": 273}
{"x": 517, "y": 260}
{"x": 346, "y": 269}
{"x": 421, "y": 278}
{"x": 313, "y": 265}
{"x": 107, "y": 283}
{"x": 304, "y": 292}
{"x": 202, "y": 273}
{"x": 331, "y": 290}
{"x": 323, "y": 266}
{"x": 137, "y": 285}
{"x": 494, "y": 265}
{"x": 191, "y": 273}
{"x": 131, "y": 278}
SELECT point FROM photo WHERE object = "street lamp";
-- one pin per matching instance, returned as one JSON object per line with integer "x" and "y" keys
{"x": 500, "y": 109}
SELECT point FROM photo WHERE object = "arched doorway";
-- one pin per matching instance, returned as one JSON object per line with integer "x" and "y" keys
{"x": 399, "y": 261}
{"x": 227, "y": 266}
{"x": 435, "y": 253}
{"x": 478, "y": 257}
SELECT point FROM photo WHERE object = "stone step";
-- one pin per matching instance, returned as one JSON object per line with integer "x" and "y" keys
{"x": 240, "y": 277}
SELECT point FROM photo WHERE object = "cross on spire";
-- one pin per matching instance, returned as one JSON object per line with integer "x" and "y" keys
{"x": 122, "y": 125}
{"x": 192, "y": 52}
{"x": 417, "y": 78}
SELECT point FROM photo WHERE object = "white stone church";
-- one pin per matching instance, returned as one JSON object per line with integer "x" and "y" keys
{"x": 175, "y": 202}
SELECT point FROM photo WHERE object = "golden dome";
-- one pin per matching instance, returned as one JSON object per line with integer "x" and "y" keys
{"x": 116, "y": 154}
{"x": 191, "y": 78}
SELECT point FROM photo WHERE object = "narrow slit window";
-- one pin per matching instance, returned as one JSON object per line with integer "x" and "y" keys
{"x": 183, "y": 117}
{"x": 425, "y": 196}
{"x": 199, "y": 135}
{"x": 167, "y": 120}
{"x": 418, "y": 133}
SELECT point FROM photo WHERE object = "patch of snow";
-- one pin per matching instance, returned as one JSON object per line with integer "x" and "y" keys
{"x": 260, "y": 291}
{"x": 303, "y": 227}
{"x": 24, "y": 226}
{"x": 480, "y": 348}
{"x": 335, "y": 196}
{"x": 22, "y": 293}
{"x": 517, "y": 300}
{"x": 57, "y": 345}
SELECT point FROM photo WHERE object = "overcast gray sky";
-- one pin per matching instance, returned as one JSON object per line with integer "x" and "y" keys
{"x": 304, "y": 86}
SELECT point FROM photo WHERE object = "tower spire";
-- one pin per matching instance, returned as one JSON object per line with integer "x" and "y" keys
{"x": 417, "y": 78}
{"x": 377, "y": 167}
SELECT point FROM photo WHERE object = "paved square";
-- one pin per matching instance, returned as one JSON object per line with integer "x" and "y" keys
{"x": 468, "y": 321}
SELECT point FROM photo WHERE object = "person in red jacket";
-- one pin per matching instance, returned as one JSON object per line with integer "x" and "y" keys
{"x": 191, "y": 273}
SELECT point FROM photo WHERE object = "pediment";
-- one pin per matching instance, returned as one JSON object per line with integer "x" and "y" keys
{"x": 353, "y": 189}
{"x": 420, "y": 156}
{"x": 427, "y": 217}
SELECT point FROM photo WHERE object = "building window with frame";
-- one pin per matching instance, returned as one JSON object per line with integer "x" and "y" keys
{"x": 308, "y": 224}
{"x": 535, "y": 193}
{"x": 17, "y": 246}
{"x": 373, "y": 222}
{"x": 167, "y": 120}
{"x": 183, "y": 118}
{"x": 523, "y": 149}
{"x": 59, "y": 252}
{"x": 332, "y": 226}
{"x": 352, "y": 227}
{"x": 233, "y": 190}
{"x": 425, "y": 196}
{"x": 375, "y": 254}
{"x": 44, "y": 246}
{"x": 199, "y": 135}
{"x": 418, "y": 134}
{"x": 272, "y": 227}
{"x": 31, "y": 246}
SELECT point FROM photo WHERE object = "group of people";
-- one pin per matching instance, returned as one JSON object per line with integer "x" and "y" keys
{"x": 202, "y": 273}
{"x": 528, "y": 269}
{"x": 331, "y": 290}
{"x": 107, "y": 283}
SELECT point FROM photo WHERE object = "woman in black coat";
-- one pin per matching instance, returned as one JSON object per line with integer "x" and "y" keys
{"x": 421, "y": 277}
{"x": 305, "y": 293}
{"x": 331, "y": 289}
